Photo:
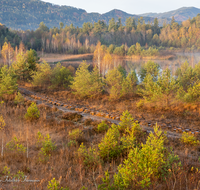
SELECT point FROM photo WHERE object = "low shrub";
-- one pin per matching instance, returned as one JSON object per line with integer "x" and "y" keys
{"x": 90, "y": 156}
{"x": 47, "y": 148}
{"x": 19, "y": 99}
{"x": 102, "y": 127}
{"x": 32, "y": 112}
{"x": 145, "y": 163}
{"x": 189, "y": 139}
{"x": 15, "y": 146}
{"x": 75, "y": 134}
{"x": 109, "y": 146}
{"x": 55, "y": 185}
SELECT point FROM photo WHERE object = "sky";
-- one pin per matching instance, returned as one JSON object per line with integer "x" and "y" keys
{"x": 129, "y": 6}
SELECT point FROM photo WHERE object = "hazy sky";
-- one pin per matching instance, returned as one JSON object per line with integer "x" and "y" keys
{"x": 129, "y": 6}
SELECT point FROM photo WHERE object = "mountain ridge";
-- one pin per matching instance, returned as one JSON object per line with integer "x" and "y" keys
{"x": 24, "y": 15}
{"x": 180, "y": 14}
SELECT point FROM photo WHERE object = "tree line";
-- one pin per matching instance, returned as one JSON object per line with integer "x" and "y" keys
{"x": 71, "y": 39}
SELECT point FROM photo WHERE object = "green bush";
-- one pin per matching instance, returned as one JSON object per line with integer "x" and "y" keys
{"x": 55, "y": 185}
{"x": 185, "y": 75}
{"x": 126, "y": 121}
{"x": 129, "y": 84}
{"x": 15, "y": 146}
{"x": 32, "y": 112}
{"x": 189, "y": 139}
{"x": 41, "y": 77}
{"x": 8, "y": 83}
{"x": 19, "y": 99}
{"x": 145, "y": 163}
{"x": 151, "y": 68}
{"x": 114, "y": 81}
{"x": 192, "y": 94}
{"x": 110, "y": 147}
{"x": 86, "y": 84}
{"x": 107, "y": 184}
{"x": 90, "y": 156}
{"x": 119, "y": 51}
{"x": 161, "y": 90}
{"x": 25, "y": 64}
{"x": 132, "y": 131}
{"x": 47, "y": 148}
{"x": 61, "y": 77}
{"x": 75, "y": 134}
{"x": 131, "y": 50}
{"x": 102, "y": 127}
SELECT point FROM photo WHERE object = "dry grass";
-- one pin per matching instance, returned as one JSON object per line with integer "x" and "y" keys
{"x": 64, "y": 164}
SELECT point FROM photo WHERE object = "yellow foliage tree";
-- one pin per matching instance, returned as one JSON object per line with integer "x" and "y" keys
{"x": 7, "y": 53}
{"x": 107, "y": 63}
{"x": 98, "y": 56}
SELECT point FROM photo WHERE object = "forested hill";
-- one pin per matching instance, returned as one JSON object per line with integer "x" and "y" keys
{"x": 27, "y": 14}
{"x": 180, "y": 15}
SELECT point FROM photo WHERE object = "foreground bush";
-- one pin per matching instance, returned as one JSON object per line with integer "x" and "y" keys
{"x": 110, "y": 145}
{"x": 47, "y": 148}
{"x": 145, "y": 163}
{"x": 90, "y": 156}
{"x": 32, "y": 112}
{"x": 55, "y": 185}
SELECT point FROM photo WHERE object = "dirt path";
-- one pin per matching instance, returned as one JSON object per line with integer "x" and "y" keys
{"x": 32, "y": 96}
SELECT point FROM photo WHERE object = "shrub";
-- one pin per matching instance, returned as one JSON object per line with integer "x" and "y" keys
{"x": 111, "y": 48}
{"x": 42, "y": 76}
{"x": 19, "y": 99}
{"x": 151, "y": 68}
{"x": 114, "y": 81}
{"x": 161, "y": 90}
{"x": 119, "y": 51}
{"x": 47, "y": 148}
{"x": 32, "y": 112}
{"x": 85, "y": 83}
{"x": 8, "y": 83}
{"x": 189, "y": 139}
{"x": 185, "y": 75}
{"x": 191, "y": 95}
{"x": 90, "y": 156}
{"x": 132, "y": 131}
{"x": 126, "y": 121}
{"x": 25, "y": 64}
{"x": 102, "y": 127}
{"x": 55, "y": 185}
{"x": 131, "y": 50}
{"x": 15, "y": 146}
{"x": 144, "y": 163}
{"x": 110, "y": 145}
{"x": 75, "y": 134}
{"x": 61, "y": 77}
{"x": 72, "y": 143}
{"x": 107, "y": 185}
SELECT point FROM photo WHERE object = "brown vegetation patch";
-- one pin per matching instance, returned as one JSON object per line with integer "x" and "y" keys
{"x": 72, "y": 116}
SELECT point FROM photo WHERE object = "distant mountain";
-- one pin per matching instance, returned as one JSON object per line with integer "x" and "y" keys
{"x": 180, "y": 15}
{"x": 27, "y": 14}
